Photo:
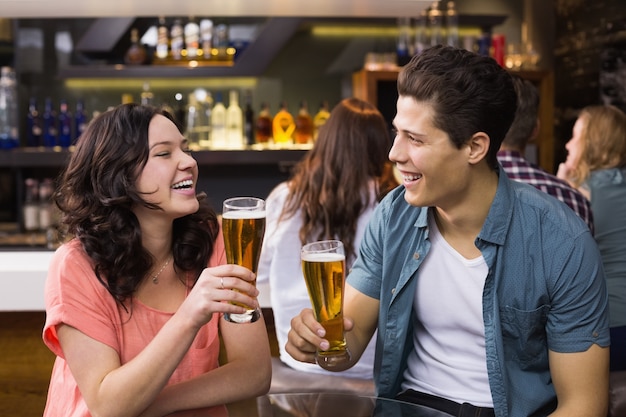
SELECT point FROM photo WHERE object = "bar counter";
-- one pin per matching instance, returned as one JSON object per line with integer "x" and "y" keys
{"x": 23, "y": 273}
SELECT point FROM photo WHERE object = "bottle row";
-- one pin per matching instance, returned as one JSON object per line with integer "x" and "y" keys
{"x": 181, "y": 41}
{"x": 210, "y": 124}
{"x": 434, "y": 26}
{"x": 54, "y": 127}
{"x": 208, "y": 121}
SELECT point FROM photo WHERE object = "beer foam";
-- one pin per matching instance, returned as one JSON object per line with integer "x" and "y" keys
{"x": 244, "y": 214}
{"x": 323, "y": 257}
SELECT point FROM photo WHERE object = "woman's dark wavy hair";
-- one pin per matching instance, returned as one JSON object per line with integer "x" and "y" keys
{"x": 97, "y": 190}
{"x": 469, "y": 93}
{"x": 330, "y": 185}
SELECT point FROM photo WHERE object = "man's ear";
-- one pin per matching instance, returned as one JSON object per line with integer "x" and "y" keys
{"x": 478, "y": 147}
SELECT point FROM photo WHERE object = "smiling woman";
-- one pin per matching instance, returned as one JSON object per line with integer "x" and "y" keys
{"x": 134, "y": 300}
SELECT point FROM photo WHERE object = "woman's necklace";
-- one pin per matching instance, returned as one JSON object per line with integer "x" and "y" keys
{"x": 155, "y": 277}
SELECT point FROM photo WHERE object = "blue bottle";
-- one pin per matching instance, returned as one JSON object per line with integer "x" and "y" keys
{"x": 9, "y": 137}
{"x": 50, "y": 129}
{"x": 80, "y": 120}
{"x": 65, "y": 125}
{"x": 34, "y": 125}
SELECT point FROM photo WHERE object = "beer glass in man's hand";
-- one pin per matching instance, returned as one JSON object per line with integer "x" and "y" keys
{"x": 243, "y": 225}
{"x": 323, "y": 266}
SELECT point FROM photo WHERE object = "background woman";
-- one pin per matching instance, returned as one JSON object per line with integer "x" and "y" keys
{"x": 331, "y": 195}
{"x": 596, "y": 165}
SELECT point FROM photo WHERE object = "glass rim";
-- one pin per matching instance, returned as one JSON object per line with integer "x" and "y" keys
{"x": 324, "y": 246}
{"x": 229, "y": 203}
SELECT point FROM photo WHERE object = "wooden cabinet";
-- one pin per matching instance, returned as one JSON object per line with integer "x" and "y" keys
{"x": 379, "y": 88}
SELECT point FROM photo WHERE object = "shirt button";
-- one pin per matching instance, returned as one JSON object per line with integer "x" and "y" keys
{"x": 595, "y": 334}
{"x": 416, "y": 256}
{"x": 393, "y": 290}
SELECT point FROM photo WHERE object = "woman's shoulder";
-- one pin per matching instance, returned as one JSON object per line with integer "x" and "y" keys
{"x": 607, "y": 177}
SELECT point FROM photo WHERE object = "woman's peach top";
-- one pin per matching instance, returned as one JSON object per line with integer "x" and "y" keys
{"x": 74, "y": 296}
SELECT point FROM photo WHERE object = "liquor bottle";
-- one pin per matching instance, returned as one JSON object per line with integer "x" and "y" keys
{"x": 435, "y": 24}
{"x": 283, "y": 127}
{"x": 304, "y": 125}
{"x": 193, "y": 121}
{"x": 177, "y": 40}
{"x": 206, "y": 37}
{"x": 452, "y": 25}
{"x": 234, "y": 121}
{"x": 45, "y": 209}
{"x": 65, "y": 125}
{"x": 9, "y": 137}
{"x": 192, "y": 38}
{"x": 50, "y": 129}
{"x": 205, "y": 102}
{"x": 147, "y": 97}
{"x": 198, "y": 119}
{"x": 404, "y": 48}
{"x": 218, "y": 124}
{"x": 80, "y": 120}
{"x": 421, "y": 32}
{"x": 320, "y": 119}
{"x": 30, "y": 208}
{"x": 136, "y": 53}
{"x": 248, "y": 121}
{"x": 34, "y": 123}
{"x": 220, "y": 40}
{"x": 162, "y": 46}
{"x": 263, "y": 126}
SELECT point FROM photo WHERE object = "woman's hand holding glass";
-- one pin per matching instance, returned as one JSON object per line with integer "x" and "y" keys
{"x": 213, "y": 293}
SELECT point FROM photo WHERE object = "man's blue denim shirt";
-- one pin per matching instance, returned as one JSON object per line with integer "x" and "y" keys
{"x": 545, "y": 290}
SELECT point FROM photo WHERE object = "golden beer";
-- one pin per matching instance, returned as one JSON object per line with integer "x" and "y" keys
{"x": 243, "y": 227}
{"x": 324, "y": 273}
{"x": 243, "y": 237}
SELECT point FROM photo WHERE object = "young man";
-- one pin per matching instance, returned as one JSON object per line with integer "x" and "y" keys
{"x": 523, "y": 130}
{"x": 488, "y": 294}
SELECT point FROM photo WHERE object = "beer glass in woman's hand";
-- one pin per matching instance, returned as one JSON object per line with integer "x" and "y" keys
{"x": 243, "y": 225}
{"x": 323, "y": 266}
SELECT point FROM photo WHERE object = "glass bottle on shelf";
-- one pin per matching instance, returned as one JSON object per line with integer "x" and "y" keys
{"x": 320, "y": 119}
{"x": 218, "y": 123}
{"x": 30, "y": 208}
{"x": 263, "y": 126}
{"x": 205, "y": 101}
{"x": 65, "y": 125}
{"x": 46, "y": 220}
{"x": 283, "y": 127}
{"x": 80, "y": 120}
{"x": 221, "y": 40}
{"x": 435, "y": 24}
{"x": 147, "y": 97}
{"x": 452, "y": 25}
{"x": 206, "y": 37}
{"x": 192, "y": 38}
{"x": 304, "y": 125}
{"x": 177, "y": 40}
{"x": 136, "y": 53}
{"x": 404, "y": 47}
{"x": 34, "y": 127}
{"x": 162, "y": 46}
{"x": 50, "y": 129}
{"x": 9, "y": 136}
{"x": 248, "y": 121}
{"x": 193, "y": 121}
{"x": 234, "y": 121}
{"x": 421, "y": 32}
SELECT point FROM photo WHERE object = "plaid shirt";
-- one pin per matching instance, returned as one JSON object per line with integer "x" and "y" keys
{"x": 519, "y": 169}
